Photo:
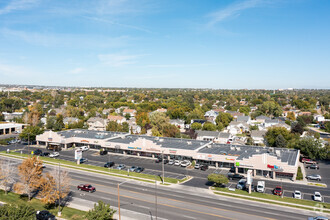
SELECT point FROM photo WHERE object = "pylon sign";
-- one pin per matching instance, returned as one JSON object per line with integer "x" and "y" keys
{"x": 77, "y": 154}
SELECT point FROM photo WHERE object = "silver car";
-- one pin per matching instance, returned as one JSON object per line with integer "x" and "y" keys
{"x": 314, "y": 177}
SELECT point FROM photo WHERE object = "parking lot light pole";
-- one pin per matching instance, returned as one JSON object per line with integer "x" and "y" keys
{"x": 163, "y": 167}
{"x": 119, "y": 197}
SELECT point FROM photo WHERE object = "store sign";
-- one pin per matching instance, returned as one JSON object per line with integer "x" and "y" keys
{"x": 172, "y": 151}
{"x": 96, "y": 142}
{"x": 77, "y": 154}
{"x": 135, "y": 148}
{"x": 50, "y": 139}
{"x": 237, "y": 164}
{"x": 153, "y": 149}
{"x": 84, "y": 141}
{"x": 274, "y": 167}
{"x": 229, "y": 159}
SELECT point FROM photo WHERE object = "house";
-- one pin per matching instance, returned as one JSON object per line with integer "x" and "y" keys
{"x": 117, "y": 118}
{"x": 164, "y": 110}
{"x": 253, "y": 108}
{"x": 97, "y": 124}
{"x": 262, "y": 119}
{"x": 258, "y": 136}
{"x": 207, "y": 135}
{"x": 130, "y": 112}
{"x": 201, "y": 121}
{"x": 211, "y": 115}
{"x": 305, "y": 113}
{"x": 70, "y": 120}
{"x": 219, "y": 110}
{"x": 120, "y": 109}
{"x": 11, "y": 116}
{"x": 245, "y": 119}
{"x": 108, "y": 111}
{"x": 178, "y": 123}
{"x": 224, "y": 138}
{"x": 236, "y": 127}
{"x": 319, "y": 118}
{"x": 235, "y": 114}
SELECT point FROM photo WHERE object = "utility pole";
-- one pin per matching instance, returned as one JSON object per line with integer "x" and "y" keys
{"x": 156, "y": 197}
{"x": 163, "y": 166}
{"x": 119, "y": 203}
{"x": 59, "y": 190}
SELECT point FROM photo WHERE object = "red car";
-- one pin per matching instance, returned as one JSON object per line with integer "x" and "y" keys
{"x": 278, "y": 191}
{"x": 86, "y": 187}
{"x": 308, "y": 161}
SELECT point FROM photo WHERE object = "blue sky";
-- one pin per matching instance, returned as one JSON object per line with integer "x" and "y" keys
{"x": 224, "y": 44}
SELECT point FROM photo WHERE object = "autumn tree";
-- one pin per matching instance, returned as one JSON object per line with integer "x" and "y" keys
{"x": 7, "y": 175}
{"x": 291, "y": 116}
{"x": 30, "y": 172}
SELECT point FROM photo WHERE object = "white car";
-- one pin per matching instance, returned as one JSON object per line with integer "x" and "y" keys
{"x": 314, "y": 177}
{"x": 170, "y": 162}
{"x": 185, "y": 163}
{"x": 297, "y": 194}
{"x": 54, "y": 154}
{"x": 197, "y": 166}
{"x": 177, "y": 163}
{"x": 317, "y": 196}
{"x": 84, "y": 148}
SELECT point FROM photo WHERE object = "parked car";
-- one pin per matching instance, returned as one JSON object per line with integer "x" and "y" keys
{"x": 165, "y": 161}
{"x": 109, "y": 164}
{"x": 197, "y": 166}
{"x": 170, "y": 162}
{"x": 83, "y": 160}
{"x": 37, "y": 152}
{"x": 317, "y": 197}
{"x": 44, "y": 215}
{"x": 261, "y": 186}
{"x": 103, "y": 152}
{"x": 139, "y": 169}
{"x": 44, "y": 154}
{"x": 86, "y": 187}
{"x": 278, "y": 191}
{"x": 313, "y": 166}
{"x": 204, "y": 167}
{"x": 297, "y": 194}
{"x": 253, "y": 188}
{"x": 308, "y": 161}
{"x": 84, "y": 148}
{"x": 233, "y": 176}
{"x": 185, "y": 163}
{"x": 314, "y": 177}
{"x": 177, "y": 163}
{"x": 121, "y": 167}
{"x": 318, "y": 218}
{"x": 241, "y": 184}
{"x": 54, "y": 154}
{"x": 158, "y": 160}
{"x": 132, "y": 169}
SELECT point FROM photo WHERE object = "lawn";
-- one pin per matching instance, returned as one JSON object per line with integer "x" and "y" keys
{"x": 258, "y": 196}
{"x": 68, "y": 213}
{"x": 103, "y": 170}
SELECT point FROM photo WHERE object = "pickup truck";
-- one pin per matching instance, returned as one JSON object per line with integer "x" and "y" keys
{"x": 86, "y": 187}
{"x": 308, "y": 161}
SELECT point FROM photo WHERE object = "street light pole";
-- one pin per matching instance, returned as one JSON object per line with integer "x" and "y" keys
{"x": 59, "y": 190}
{"x": 156, "y": 196}
{"x": 119, "y": 197}
{"x": 163, "y": 166}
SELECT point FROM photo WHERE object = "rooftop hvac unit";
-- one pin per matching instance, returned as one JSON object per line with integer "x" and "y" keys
{"x": 156, "y": 138}
{"x": 257, "y": 150}
{"x": 237, "y": 148}
{"x": 189, "y": 142}
{"x": 161, "y": 140}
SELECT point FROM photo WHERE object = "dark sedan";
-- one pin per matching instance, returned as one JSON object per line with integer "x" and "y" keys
{"x": 109, "y": 164}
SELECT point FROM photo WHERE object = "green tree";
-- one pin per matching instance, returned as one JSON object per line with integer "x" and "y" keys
{"x": 280, "y": 141}
{"x": 249, "y": 141}
{"x": 208, "y": 126}
{"x": 196, "y": 126}
{"x": 127, "y": 116}
{"x": 311, "y": 148}
{"x": 271, "y": 108}
{"x": 101, "y": 211}
{"x": 125, "y": 127}
{"x": 272, "y": 134}
{"x": 245, "y": 109}
{"x": 17, "y": 211}
{"x": 30, "y": 133}
{"x": 224, "y": 118}
{"x": 254, "y": 128}
{"x": 218, "y": 179}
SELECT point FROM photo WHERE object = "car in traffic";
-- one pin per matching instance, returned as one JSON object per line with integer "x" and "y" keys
{"x": 132, "y": 169}
{"x": 297, "y": 194}
{"x": 204, "y": 167}
{"x": 139, "y": 169}
{"x": 241, "y": 184}
{"x": 278, "y": 191}
{"x": 233, "y": 176}
{"x": 45, "y": 154}
{"x": 54, "y": 154}
{"x": 185, "y": 163}
{"x": 170, "y": 162}
{"x": 121, "y": 167}
{"x": 314, "y": 177}
{"x": 317, "y": 197}
{"x": 44, "y": 215}
{"x": 318, "y": 218}
{"x": 313, "y": 166}
{"x": 37, "y": 152}
{"x": 109, "y": 164}
{"x": 83, "y": 160}
{"x": 177, "y": 163}
{"x": 86, "y": 187}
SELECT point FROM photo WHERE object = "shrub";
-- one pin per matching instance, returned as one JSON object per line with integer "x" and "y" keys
{"x": 299, "y": 174}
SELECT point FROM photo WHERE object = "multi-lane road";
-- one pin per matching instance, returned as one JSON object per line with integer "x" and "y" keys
{"x": 174, "y": 202}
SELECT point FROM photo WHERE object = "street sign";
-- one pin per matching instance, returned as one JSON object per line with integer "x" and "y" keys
{"x": 78, "y": 154}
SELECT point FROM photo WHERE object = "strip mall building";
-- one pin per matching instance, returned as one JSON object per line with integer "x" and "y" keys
{"x": 274, "y": 162}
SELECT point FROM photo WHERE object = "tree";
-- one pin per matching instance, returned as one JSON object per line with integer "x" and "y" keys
{"x": 101, "y": 211}
{"x": 291, "y": 116}
{"x": 249, "y": 141}
{"x": 224, "y": 118}
{"x": 254, "y": 127}
{"x": 208, "y": 126}
{"x": 218, "y": 179}
{"x": 7, "y": 174}
{"x": 271, "y": 108}
{"x": 127, "y": 116}
{"x": 272, "y": 134}
{"x": 30, "y": 172}
{"x": 196, "y": 126}
{"x": 17, "y": 211}
{"x": 297, "y": 127}
{"x": 311, "y": 147}
{"x": 245, "y": 109}
{"x": 280, "y": 141}
{"x": 30, "y": 133}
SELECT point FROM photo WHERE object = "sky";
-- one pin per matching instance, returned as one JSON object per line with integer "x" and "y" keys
{"x": 220, "y": 44}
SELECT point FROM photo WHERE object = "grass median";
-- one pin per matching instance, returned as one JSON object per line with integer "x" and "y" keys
{"x": 256, "y": 196}
{"x": 102, "y": 170}
{"x": 67, "y": 213}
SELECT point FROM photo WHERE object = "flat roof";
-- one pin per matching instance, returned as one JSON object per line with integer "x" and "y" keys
{"x": 82, "y": 133}
{"x": 10, "y": 125}
{"x": 245, "y": 151}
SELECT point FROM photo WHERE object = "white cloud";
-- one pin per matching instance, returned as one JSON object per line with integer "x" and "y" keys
{"x": 117, "y": 60}
{"x": 77, "y": 70}
{"x": 232, "y": 10}
{"x": 14, "y": 71}
{"x": 17, "y": 5}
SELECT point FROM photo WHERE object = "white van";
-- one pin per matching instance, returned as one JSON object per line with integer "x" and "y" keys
{"x": 261, "y": 186}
